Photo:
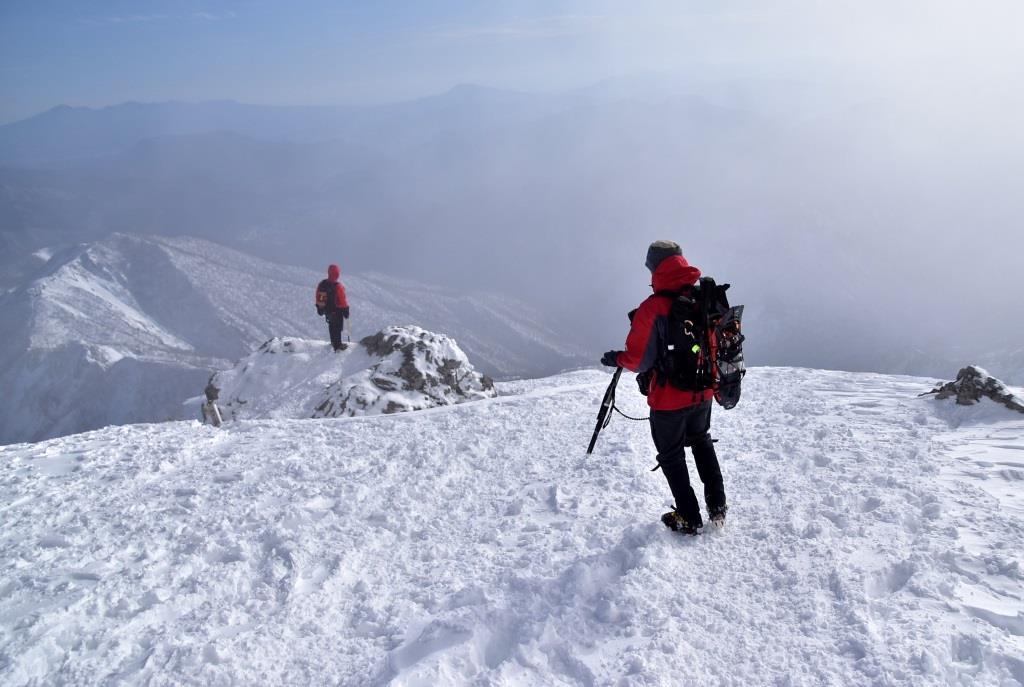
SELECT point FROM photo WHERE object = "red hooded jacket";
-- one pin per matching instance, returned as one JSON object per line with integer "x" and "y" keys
{"x": 643, "y": 342}
{"x": 340, "y": 300}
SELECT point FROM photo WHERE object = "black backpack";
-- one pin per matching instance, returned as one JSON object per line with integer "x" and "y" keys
{"x": 701, "y": 343}
{"x": 326, "y": 297}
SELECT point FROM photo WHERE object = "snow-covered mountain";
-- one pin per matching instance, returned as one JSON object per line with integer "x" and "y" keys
{"x": 124, "y": 329}
{"x": 874, "y": 538}
{"x": 398, "y": 369}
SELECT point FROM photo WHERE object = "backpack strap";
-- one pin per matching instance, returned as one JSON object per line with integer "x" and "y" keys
{"x": 708, "y": 298}
{"x": 661, "y": 364}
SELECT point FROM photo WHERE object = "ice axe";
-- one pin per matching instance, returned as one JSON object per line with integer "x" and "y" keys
{"x": 604, "y": 414}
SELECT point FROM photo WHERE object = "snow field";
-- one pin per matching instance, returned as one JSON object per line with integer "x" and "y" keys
{"x": 477, "y": 544}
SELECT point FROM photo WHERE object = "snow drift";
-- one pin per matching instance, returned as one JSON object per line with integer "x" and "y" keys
{"x": 395, "y": 370}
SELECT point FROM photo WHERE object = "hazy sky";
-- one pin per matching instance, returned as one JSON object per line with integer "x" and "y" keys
{"x": 872, "y": 149}
{"x": 321, "y": 52}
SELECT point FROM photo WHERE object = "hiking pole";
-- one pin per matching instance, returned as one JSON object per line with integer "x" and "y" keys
{"x": 604, "y": 415}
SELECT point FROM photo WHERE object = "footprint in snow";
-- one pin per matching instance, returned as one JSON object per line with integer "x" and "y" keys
{"x": 890, "y": 580}
{"x": 53, "y": 541}
{"x": 83, "y": 576}
{"x": 313, "y": 580}
{"x": 436, "y": 637}
{"x": 870, "y": 504}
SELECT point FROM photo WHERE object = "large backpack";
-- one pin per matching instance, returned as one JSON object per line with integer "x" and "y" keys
{"x": 326, "y": 297}
{"x": 702, "y": 342}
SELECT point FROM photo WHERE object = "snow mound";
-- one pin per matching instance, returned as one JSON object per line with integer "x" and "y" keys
{"x": 397, "y": 369}
{"x": 974, "y": 383}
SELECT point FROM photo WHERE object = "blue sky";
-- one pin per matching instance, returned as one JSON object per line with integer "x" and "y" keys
{"x": 317, "y": 52}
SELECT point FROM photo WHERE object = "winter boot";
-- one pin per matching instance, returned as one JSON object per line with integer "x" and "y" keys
{"x": 677, "y": 523}
{"x": 717, "y": 515}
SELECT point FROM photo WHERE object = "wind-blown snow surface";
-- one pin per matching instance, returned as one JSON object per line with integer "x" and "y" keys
{"x": 874, "y": 538}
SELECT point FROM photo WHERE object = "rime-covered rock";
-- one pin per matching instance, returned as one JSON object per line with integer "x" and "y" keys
{"x": 974, "y": 383}
{"x": 395, "y": 370}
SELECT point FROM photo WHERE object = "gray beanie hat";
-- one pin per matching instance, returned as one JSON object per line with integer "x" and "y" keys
{"x": 659, "y": 250}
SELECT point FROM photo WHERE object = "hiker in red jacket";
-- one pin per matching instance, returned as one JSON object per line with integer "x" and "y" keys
{"x": 679, "y": 417}
{"x": 332, "y": 303}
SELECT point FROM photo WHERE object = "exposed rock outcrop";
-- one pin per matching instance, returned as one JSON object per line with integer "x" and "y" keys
{"x": 395, "y": 370}
{"x": 974, "y": 383}
{"x": 417, "y": 369}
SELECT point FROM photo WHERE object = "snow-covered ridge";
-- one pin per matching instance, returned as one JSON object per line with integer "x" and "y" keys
{"x": 870, "y": 542}
{"x": 123, "y": 330}
{"x": 396, "y": 370}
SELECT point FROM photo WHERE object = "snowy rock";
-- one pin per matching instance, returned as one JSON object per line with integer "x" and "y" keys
{"x": 395, "y": 370}
{"x": 974, "y": 383}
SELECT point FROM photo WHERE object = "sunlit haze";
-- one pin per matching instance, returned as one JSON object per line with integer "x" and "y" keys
{"x": 852, "y": 168}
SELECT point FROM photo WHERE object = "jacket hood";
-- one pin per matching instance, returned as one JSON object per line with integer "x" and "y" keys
{"x": 333, "y": 272}
{"x": 673, "y": 274}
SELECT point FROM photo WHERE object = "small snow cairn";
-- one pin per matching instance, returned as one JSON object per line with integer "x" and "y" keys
{"x": 974, "y": 383}
{"x": 398, "y": 369}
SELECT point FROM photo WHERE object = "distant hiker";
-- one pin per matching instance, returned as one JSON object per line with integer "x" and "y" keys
{"x": 332, "y": 303}
{"x": 211, "y": 413}
{"x": 680, "y": 416}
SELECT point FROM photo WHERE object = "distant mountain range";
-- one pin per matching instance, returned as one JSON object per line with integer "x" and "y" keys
{"x": 67, "y": 135}
{"x": 125, "y": 329}
{"x": 408, "y": 188}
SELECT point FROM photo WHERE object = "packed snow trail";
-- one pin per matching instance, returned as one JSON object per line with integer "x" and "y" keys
{"x": 477, "y": 544}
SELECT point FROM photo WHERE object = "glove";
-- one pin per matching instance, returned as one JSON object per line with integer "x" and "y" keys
{"x": 643, "y": 381}
{"x": 319, "y": 311}
{"x": 631, "y": 313}
{"x": 611, "y": 359}
{"x": 344, "y": 312}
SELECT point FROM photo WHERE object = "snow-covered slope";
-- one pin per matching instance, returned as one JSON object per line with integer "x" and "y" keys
{"x": 396, "y": 370}
{"x": 872, "y": 541}
{"x": 123, "y": 330}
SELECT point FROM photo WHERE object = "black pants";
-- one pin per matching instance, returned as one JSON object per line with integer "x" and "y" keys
{"x": 673, "y": 430}
{"x": 335, "y": 323}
